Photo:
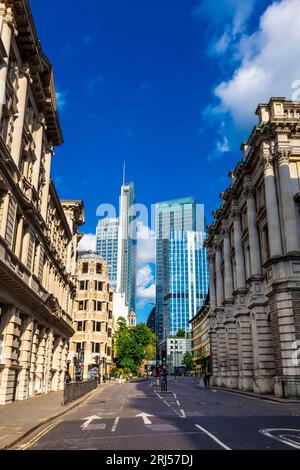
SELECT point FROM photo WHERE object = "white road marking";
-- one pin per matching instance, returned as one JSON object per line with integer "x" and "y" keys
{"x": 285, "y": 439}
{"x": 113, "y": 429}
{"x": 177, "y": 402}
{"x": 213, "y": 437}
{"x": 88, "y": 421}
{"x": 40, "y": 435}
{"x": 145, "y": 417}
{"x": 183, "y": 415}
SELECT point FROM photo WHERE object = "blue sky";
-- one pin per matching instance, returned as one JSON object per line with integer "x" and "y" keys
{"x": 170, "y": 86}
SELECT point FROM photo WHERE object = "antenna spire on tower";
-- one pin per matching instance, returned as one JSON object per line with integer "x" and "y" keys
{"x": 124, "y": 172}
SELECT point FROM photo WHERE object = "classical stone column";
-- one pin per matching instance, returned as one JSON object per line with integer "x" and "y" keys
{"x": 244, "y": 340}
{"x": 64, "y": 358}
{"x": 214, "y": 348}
{"x": 40, "y": 361}
{"x": 45, "y": 193}
{"x": 8, "y": 386}
{"x": 8, "y": 28}
{"x": 24, "y": 358}
{"x": 34, "y": 349}
{"x": 19, "y": 237}
{"x": 16, "y": 145}
{"x": 239, "y": 255}
{"x": 255, "y": 258}
{"x": 289, "y": 214}
{"x": 232, "y": 352}
{"x": 48, "y": 361}
{"x": 56, "y": 365}
{"x": 212, "y": 286}
{"x": 222, "y": 351}
{"x": 38, "y": 151}
{"x": 219, "y": 276}
{"x": 228, "y": 278}
{"x": 274, "y": 229}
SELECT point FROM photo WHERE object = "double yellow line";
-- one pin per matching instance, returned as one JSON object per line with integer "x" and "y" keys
{"x": 35, "y": 439}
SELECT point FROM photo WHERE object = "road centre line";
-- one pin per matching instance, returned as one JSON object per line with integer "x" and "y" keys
{"x": 113, "y": 429}
{"x": 213, "y": 437}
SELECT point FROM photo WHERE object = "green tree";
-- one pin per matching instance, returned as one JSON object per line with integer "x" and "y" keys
{"x": 180, "y": 334}
{"x": 132, "y": 345}
{"x": 201, "y": 361}
{"x": 188, "y": 361}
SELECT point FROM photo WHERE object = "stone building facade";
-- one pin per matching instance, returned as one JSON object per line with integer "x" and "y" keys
{"x": 92, "y": 316}
{"x": 200, "y": 338}
{"x": 254, "y": 257}
{"x": 38, "y": 235}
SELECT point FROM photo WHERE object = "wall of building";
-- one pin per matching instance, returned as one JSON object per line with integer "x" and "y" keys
{"x": 36, "y": 286}
{"x": 254, "y": 256}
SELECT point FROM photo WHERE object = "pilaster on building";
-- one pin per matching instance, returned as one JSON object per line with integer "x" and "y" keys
{"x": 254, "y": 258}
{"x": 38, "y": 234}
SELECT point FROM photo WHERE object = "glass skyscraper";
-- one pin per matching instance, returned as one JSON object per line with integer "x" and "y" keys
{"x": 181, "y": 266}
{"x": 126, "y": 270}
{"x": 188, "y": 279}
{"x": 116, "y": 244}
{"x": 107, "y": 239}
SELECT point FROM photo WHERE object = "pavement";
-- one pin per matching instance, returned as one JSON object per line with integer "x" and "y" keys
{"x": 20, "y": 418}
{"x": 137, "y": 416}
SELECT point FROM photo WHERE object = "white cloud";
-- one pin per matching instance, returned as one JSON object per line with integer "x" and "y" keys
{"x": 268, "y": 65}
{"x": 145, "y": 285}
{"x": 61, "y": 99}
{"x": 227, "y": 20}
{"x": 145, "y": 264}
{"x": 145, "y": 244}
{"x": 223, "y": 146}
{"x": 88, "y": 242}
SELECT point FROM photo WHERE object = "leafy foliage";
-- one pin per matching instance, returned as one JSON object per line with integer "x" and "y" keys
{"x": 180, "y": 334}
{"x": 188, "y": 361}
{"x": 133, "y": 345}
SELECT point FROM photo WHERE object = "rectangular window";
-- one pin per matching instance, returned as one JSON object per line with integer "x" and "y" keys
{"x": 99, "y": 268}
{"x": 82, "y": 305}
{"x": 83, "y": 285}
{"x": 80, "y": 347}
{"x": 95, "y": 348}
{"x": 85, "y": 268}
{"x": 98, "y": 286}
{"x": 81, "y": 326}
{"x": 97, "y": 306}
{"x": 97, "y": 326}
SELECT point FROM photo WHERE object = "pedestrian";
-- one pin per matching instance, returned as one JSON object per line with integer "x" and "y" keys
{"x": 68, "y": 378}
{"x": 121, "y": 380}
{"x": 115, "y": 375}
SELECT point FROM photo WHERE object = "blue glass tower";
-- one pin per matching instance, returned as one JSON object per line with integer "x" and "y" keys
{"x": 181, "y": 266}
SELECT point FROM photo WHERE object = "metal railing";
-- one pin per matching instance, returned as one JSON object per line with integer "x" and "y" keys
{"x": 74, "y": 390}
{"x": 291, "y": 388}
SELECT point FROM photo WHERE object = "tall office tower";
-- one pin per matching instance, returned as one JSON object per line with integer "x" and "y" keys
{"x": 188, "y": 279}
{"x": 126, "y": 270}
{"x": 181, "y": 266}
{"x": 107, "y": 235}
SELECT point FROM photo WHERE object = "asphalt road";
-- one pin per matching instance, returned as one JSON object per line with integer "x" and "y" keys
{"x": 136, "y": 416}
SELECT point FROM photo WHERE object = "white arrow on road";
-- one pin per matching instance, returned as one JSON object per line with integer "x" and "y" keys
{"x": 88, "y": 421}
{"x": 145, "y": 417}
